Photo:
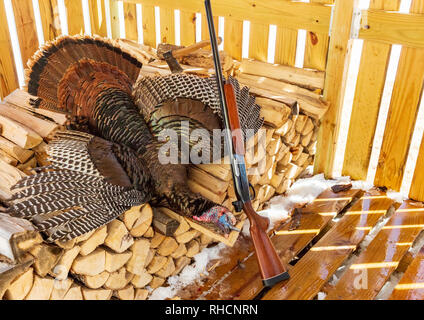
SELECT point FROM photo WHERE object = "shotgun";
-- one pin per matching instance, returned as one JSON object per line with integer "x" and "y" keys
{"x": 270, "y": 265}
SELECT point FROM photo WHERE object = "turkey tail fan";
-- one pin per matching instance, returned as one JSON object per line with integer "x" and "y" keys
{"x": 51, "y": 62}
{"x": 85, "y": 187}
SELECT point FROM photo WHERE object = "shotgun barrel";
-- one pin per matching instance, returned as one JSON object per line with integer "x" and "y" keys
{"x": 270, "y": 265}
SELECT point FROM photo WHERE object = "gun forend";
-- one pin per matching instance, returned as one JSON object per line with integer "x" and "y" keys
{"x": 233, "y": 117}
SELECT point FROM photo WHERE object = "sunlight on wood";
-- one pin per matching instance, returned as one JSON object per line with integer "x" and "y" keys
{"x": 391, "y": 264}
{"x": 301, "y": 231}
{"x": 329, "y": 248}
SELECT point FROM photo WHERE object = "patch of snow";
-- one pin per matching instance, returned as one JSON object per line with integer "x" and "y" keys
{"x": 396, "y": 196}
{"x": 189, "y": 274}
{"x": 321, "y": 295}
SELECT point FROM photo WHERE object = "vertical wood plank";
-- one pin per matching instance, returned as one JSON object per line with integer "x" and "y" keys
{"x": 417, "y": 186}
{"x": 336, "y": 72}
{"x": 25, "y": 27}
{"x": 149, "y": 25}
{"x": 98, "y": 17}
{"x": 114, "y": 19}
{"x": 258, "y": 42}
{"x": 130, "y": 18}
{"x": 49, "y": 12}
{"x": 316, "y": 47}
{"x": 366, "y": 103}
{"x": 285, "y": 46}
{"x": 167, "y": 25}
{"x": 402, "y": 114}
{"x": 8, "y": 76}
{"x": 205, "y": 30}
{"x": 74, "y": 16}
{"x": 233, "y": 37}
{"x": 187, "y": 27}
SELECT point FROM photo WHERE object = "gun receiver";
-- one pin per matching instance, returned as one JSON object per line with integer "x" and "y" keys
{"x": 270, "y": 265}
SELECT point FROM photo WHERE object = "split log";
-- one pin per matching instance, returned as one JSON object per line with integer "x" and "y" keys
{"x": 306, "y": 78}
{"x": 164, "y": 223}
{"x": 208, "y": 194}
{"x": 149, "y": 233}
{"x": 9, "y": 272}
{"x": 118, "y": 238}
{"x": 220, "y": 171}
{"x": 274, "y": 113}
{"x": 61, "y": 270}
{"x": 130, "y": 216}
{"x": 180, "y": 264}
{"x": 7, "y": 158}
{"x": 20, "y": 287}
{"x": 285, "y": 128}
{"x": 115, "y": 261}
{"x": 274, "y": 146}
{"x": 68, "y": 244}
{"x": 187, "y": 236}
{"x": 156, "y": 240}
{"x": 96, "y": 294}
{"x": 283, "y": 186}
{"x": 126, "y": 293}
{"x": 15, "y": 151}
{"x": 308, "y": 127}
{"x": 17, "y": 237}
{"x": 60, "y": 288}
{"x": 140, "y": 250}
{"x": 141, "y": 280}
{"x": 46, "y": 258}
{"x": 141, "y": 294}
{"x": 180, "y": 251}
{"x": 304, "y": 141}
{"x": 167, "y": 269}
{"x": 74, "y": 293}
{"x": 193, "y": 248}
{"x": 41, "y": 289}
{"x": 96, "y": 239}
{"x": 157, "y": 263}
{"x": 168, "y": 246}
{"x": 91, "y": 264}
{"x": 157, "y": 282}
{"x": 21, "y": 135}
{"x": 94, "y": 282}
{"x": 206, "y": 180}
{"x": 143, "y": 222}
{"x": 118, "y": 279}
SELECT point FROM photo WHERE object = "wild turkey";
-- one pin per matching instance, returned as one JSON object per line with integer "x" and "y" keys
{"x": 109, "y": 162}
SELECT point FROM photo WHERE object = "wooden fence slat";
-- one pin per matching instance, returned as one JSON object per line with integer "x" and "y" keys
{"x": 25, "y": 27}
{"x": 245, "y": 282}
{"x": 97, "y": 17}
{"x": 8, "y": 76}
{"x": 114, "y": 19}
{"x": 187, "y": 28}
{"x": 149, "y": 25}
{"x": 291, "y": 14}
{"x": 130, "y": 18}
{"x": 316, "y": 47}
{"x": 392, "y": 27}
{"x": 366, "y": 102}
{"x": 411, "y": 285}
{"x": 49, "y": 12}
{"x": 74, "y": 16}
{"x": 258, "y": 41}
{"x": 335, "y": 82}
{"x": 285, "y": 46}
{"x": 233, "y": 37}
{"x": 417, "y": 186}
{"x": 382, "y": 255}
{"x": 402, "y": 114}
{"x": 167, "y": 25}
{"x": 313, "y": 270}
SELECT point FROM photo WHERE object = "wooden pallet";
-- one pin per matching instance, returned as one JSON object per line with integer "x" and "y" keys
{"x": 320, "y": 245}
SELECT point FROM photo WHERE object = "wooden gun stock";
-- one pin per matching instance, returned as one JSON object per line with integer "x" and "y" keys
{"x": 270, "y": 265}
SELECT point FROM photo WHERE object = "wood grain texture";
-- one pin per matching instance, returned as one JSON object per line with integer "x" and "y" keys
{"x": 114, "y": 19}
{"x": 392, "y": 27}
{"x": 25, "y": 27}
{"x": 411, "y": 285}
{"x": 130, "y": 18}
{"x": 97, "y": 17}
{"x": 285, "y": 46}
{"x": 366, "y": 103}
{"x": 245, "y": 282}
{"x": 335, "y": 82}
{"x": 293, "y": 14}
{"x": 187, "y": 28}
{"x": 49, "y": 12}
{"x": 258, "y": 41}
{"x": 314, "y": 269}
{"x": 167, "y": 25}
{"x": 8, "y": 76}
{"x": 382, "y": 256}
{"x": 149, "y": 25}
{"x": 74, "y": 16}
{"x": 233, "y": 37}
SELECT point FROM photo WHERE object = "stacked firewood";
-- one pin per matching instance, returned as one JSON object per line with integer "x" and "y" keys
{"x": 133, "y": 255}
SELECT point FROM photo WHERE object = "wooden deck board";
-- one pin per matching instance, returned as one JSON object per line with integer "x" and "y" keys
{"x": 382, "y": 256}
{"x": 314, "y": 269}
{"x": 411, "y": 285}
{"x": 245, "y": 281}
